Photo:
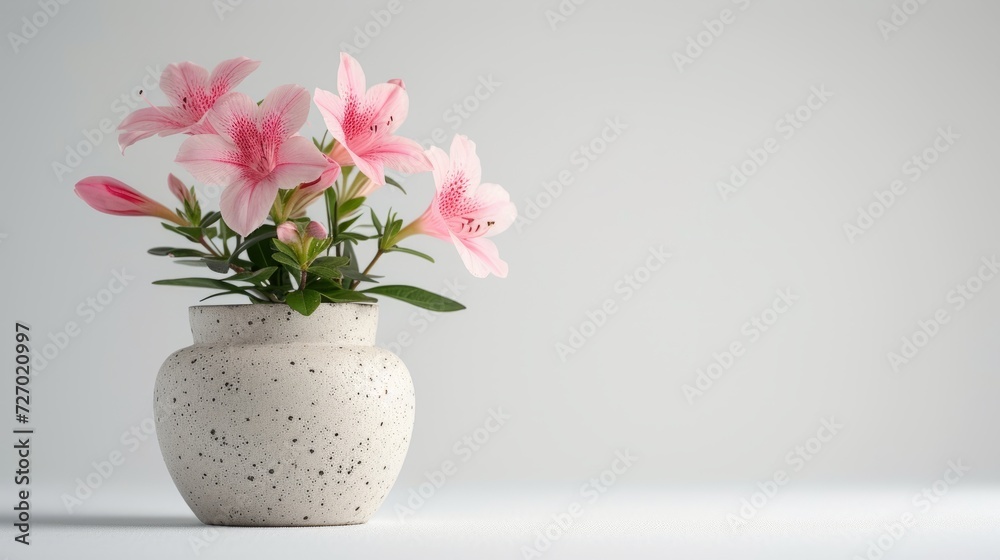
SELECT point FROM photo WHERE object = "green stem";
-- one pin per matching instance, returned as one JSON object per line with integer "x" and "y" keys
{"x": 238, "y": 269}
{"x": 368, "y": 268}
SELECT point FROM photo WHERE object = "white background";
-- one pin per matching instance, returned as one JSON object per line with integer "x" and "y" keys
{"x": 556, "y": 85}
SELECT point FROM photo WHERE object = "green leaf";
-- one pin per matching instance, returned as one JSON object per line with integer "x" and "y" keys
{"x": 376, "y": 222}
{"x": 346, "y": 296}
{"x": 304, "y": 301}
{"x": 210, "y": 219}
{"x": 286, "y": 260}
{"x": 353, "y": 274}
{"x": 217, "y": 265}
{"x": 417, "y": 296}
{"x": 176, "y": 252}
{"x": 285, "y": 249}
{"x": 349, "y": 253}
{"x": 217, "y": 294}
{"x": 393, "y": 182}
{"x": 201, "y": 283}
{"x": 333, "y": 262}
{"x": 353, "y": 237}
{"x": 350, "y": 206}
{"x": 260, "y": 234}
{"x": 345, "y": 225}
{"x": 190, "y": 233}
{"x": 255, "y": 277}
{"x": 399, "y": 249}
{"x": 191, "y": 262}
{"x": 328, "y": 267}
{"x": 317, "y": 246}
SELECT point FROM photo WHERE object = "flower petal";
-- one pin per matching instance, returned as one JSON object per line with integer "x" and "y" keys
{"x": 494, "y": 205}
{"x": 298, "y": 162}
{"x": 148, "y": 121}
{"x": 284, "y": 111}
{"x": 332, "y": 108}
{"x": 245, "y": 204}
{"x": 390, "y": 104}
{"x": 480, "y": 257}
{"x": 440, "y": 164}
{"x": 465, "y": 161}
{"x": 234, "y": 116}
{"x": 395, "y": 152}
{"x": 229, "y": 73}
{"x": 211, "y": 159}
{"x": 350, "y": 77}
{"x": 184, "y": 82}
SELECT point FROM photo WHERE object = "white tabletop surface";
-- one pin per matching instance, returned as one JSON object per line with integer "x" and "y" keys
{"x": 504, "y": 522}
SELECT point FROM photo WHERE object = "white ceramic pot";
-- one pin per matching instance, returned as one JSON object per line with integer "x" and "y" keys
{"x": 275, "y": 419}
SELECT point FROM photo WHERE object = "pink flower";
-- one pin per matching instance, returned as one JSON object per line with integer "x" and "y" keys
{"x": 192, "y": 92}
{"x": 255, "y": 153}
{"x": 111, "y": 196}
{"x": 363, "y": 121}
{"x": 326, "y": 179}
{"x": 316, "y": 230}
{"x": 465, "y": 211}
{"x": 178, "y": 188}
{"x": 288, "y": 233}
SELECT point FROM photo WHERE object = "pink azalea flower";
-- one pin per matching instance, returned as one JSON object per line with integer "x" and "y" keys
{"x": 363, "y": 122}
{"x": 465, "y": 211}
{"x": 111, "y": 196}
{"x": 255, "y": 153}
{"x": 192, "y": 92}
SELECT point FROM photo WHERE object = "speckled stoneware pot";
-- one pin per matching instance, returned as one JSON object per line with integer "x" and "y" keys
{"x": 275, "y": 419}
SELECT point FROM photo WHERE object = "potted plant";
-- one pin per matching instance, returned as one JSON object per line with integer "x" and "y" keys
{"x": 283, "y": 412}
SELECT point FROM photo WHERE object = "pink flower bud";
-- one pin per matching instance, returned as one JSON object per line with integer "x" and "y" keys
{"x": 399, "y": 82}
{"x": 178, "y": 188}
{"x": 111, "y": 196}
{"x": 316, "y": 230}
{"x": 288, "y": 233}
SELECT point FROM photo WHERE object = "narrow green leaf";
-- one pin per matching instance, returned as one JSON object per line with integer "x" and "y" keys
{"x": 417, "y": 296}
{"x": 255, "y": 277}
{"x": 191, "y": 262}
{"x": 399, "y": 249}
{"x": 201, "y": 283}
{"x": 346, "y": 296}
{"x": 285, "y": 249}
{"x": 353, "y": 236}
{"x": 350, "y": 206}
{"x": 376, "y": 222}
{"x": 353, "y": 259}
{"x": 217, "y": 265}
{"x": 345, "y": 225}
{"x": 210, "y": 219}
{"x": 260, "y": 234}
{"x": 190, "y": 233}
{"x": 329, "y": 267}
{"x": 285, "y": 259}
{"x": 176, "y": 252}
{"x": 393, "y": 182}
{"x": 334, "y": 262}
{"x": 353, "y": 274}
